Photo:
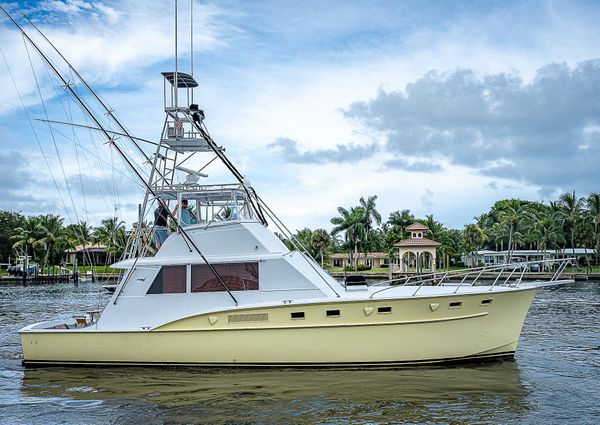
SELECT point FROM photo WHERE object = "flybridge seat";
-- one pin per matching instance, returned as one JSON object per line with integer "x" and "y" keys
{"x": 356, "y": 281}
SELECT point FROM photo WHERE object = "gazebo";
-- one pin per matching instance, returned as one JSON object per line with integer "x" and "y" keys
{"x": 417, "y": 247}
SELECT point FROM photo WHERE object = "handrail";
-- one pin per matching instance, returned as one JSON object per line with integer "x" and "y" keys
{"x": 560, "y": 269}
{"x": 473, "y": 283}
{"x": 499, "y": 269}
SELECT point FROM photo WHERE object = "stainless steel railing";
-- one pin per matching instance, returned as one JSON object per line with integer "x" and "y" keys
{"x": 437, "y": 279}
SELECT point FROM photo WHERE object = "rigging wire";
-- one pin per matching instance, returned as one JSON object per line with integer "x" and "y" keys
{"x": 35, "y": 133}
{"x": 51, "y": 132}
{"x": 69, "y": 115}
{"x": 109, "y": 112}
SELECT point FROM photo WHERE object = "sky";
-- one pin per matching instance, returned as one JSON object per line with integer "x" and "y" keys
{"x": 442, "y": 107}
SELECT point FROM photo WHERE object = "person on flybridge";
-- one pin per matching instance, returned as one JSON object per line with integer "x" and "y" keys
{"x": 161, "y": 216}
{"x": 187, "y": 216}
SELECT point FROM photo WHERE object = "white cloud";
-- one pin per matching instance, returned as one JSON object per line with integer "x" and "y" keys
{"x": 270, "y": 71}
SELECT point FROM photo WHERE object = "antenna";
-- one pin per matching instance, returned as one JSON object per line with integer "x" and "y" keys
{"x": 192, "y": 41}
{"x": 176, "y": 79}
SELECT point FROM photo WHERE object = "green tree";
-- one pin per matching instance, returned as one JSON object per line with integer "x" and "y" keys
{"x": 25, "y": 236}
{"x": 513, "y": 214}
{"x": 112, "y": 234}
{"x": 571, "y": 208}
{"x": 473, "y": 238}
{"x": 50, "y": 234}
{"x": 593, "y": 206}
{"x": 351, "y": 222}
{"x": 9, "y": 221}
{"x": 370, "y": 215}
{"x": 548, "y": 233}
{"x": 402, "y": 219}
{"x": 321, "y": 242}
{"x": 305, "y": 237}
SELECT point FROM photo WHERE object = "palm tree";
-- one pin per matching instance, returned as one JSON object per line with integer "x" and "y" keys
{"x": 496, "y": 233}
{"x": 571, "y": 208}
{"x": 511, "y": 216}
{"x": 473, "y": 238}
{"x": 593, "y": 205}
{"x": 80, "y": 233}
{"x": 548, "y": 233}
{"x": 352, "y": 223}
{"x": 320, "y": 242}
{"x": 25, "y": 236}
{"x": 402, "y": 219}
{"x": 435, "y": 227}
{"x": 51, "y": 233}
{"x": 305, "y": 237}
{"x": 111, "y": 233}
{"x": 370, "y": 214}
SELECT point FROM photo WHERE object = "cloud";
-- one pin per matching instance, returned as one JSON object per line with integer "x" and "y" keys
{"x": 17, "y": 182}
{"x": 288, "y": 149}
{"x": 67, "y": 6}
{"x": 102, "y": 187}
{"x": 416, "y": 166}
{"x": 545, "y": 132}
{"x": 427, "y": 199}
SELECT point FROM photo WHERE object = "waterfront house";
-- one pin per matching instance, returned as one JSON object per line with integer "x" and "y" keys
{"x": 84, "y": 254}
{"x": 374, "y": 259}
{"x": 489, "y": 258}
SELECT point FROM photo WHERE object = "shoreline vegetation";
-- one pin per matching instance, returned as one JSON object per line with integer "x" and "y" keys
{"x": 510, "y": 224}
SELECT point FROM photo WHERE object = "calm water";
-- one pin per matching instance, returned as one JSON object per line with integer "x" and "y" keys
{"x": 555, "y": 378}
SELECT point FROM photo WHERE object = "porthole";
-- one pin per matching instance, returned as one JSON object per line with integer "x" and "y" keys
{"x": 455, "y": 304}
{"x": 384, "y": 310}
{"x": 486, "y": 301}
{"x": 297, "y": 315}
{"x": 332, "y": 313}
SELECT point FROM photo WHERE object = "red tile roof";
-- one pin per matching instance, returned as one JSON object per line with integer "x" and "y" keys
{"x": 417, "y": 242}
{"x": 417, "y": 226}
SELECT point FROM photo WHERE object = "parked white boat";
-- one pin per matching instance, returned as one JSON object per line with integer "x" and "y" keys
{"x": 223, "y": 290}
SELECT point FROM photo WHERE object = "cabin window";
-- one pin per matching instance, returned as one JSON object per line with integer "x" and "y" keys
{"x": 237, "y": 277}
{"x": 332, "y": 313}
{"x": 487, "y": 301}
{"x": 455, "y": 304}
{"x": 384, "y": 310}
{"x": 169, "y": 280}
{"x": 297, "y": 315}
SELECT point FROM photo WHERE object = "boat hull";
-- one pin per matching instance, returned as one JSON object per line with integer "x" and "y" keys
{"x": 417, "y": 330}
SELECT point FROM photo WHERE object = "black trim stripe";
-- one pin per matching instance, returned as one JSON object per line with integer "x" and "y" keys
{"x": 342, "y": 365}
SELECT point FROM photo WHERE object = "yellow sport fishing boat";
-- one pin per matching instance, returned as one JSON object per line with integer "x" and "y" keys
{"x": 224, "y": 291}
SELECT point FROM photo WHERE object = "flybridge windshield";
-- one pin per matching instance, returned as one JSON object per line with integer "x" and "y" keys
{"x": 210, "y": 204}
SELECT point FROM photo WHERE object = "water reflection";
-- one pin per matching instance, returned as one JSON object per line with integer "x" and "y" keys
{"x": 554, "y": 378}
{"x": 483, "y": 393}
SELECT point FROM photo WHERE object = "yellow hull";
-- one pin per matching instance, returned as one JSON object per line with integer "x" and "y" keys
{"x": 416, "y": 330}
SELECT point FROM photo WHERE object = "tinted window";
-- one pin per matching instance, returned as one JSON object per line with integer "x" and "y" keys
{"x": 237, "y": 277}
{"x": 170, "y": 280}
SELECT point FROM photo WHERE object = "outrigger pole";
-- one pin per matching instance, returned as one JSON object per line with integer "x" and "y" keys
{"x": 108, "y": 111}
{"x": 112, "y": 142}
